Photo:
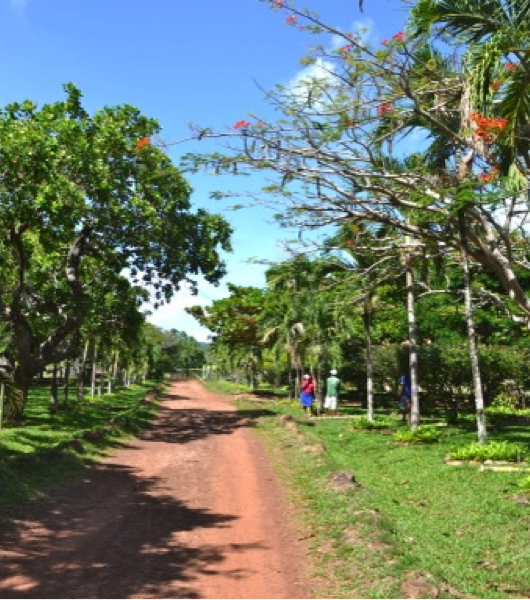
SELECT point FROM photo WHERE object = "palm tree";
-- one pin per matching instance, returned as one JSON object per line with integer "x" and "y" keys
{"x": 303, "y": 328}
{"x": 361, "y": 261}
{"x": 496, "y": 61}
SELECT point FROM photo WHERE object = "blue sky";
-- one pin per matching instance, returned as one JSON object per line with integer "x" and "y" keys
{"x": 204, "y": 62}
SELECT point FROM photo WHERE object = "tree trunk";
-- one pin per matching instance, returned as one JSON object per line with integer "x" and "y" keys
{"x": 320, "y": 391}
{"x": 22, "y": 378}
{"x": 53, "y": 391}
{"x": 81, "y": 374}
{"x": 292, "y": 389}
{"x": 471, "y": 334}
{"x": 112, "y": 371}
{"x": 94, "y": 367}
{"x": 413, "y": 344}
{"x": 115, "y": 370}
{"x": 369, "y": 363}
{"x": 101, "y": 382}
{"x": 298, "y": 382}
{"x": 2, "y": 397}
{"x": 66, "y": 387}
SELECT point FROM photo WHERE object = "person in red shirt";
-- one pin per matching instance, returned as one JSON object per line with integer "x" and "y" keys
{"x": 307, "y": 395}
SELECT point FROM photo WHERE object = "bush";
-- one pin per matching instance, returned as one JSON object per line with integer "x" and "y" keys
{"x": 505, "y": 402}
{"x": 502, "y": 411}
{"x": 423, "y": 434}
{"x": 377, "y": 423}
{"x": 505, "y": 451}
{"x": 468, "y": 418}
{"x": 525, "y": 484}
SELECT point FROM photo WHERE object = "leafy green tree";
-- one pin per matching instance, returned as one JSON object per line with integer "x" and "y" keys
{"x": 180, "y": 352}
{"x": 362, "y": 265}
{"x": 298, "y": 317}
{"x": 233, "y": 322}
{"x": 83, "y": 199}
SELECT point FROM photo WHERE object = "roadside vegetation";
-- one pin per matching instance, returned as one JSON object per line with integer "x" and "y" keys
{"x": 452, "y": 531}
{"x": 44, "y": 450}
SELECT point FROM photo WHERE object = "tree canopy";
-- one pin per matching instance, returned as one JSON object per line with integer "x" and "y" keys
{"x": 410, "y": 134}
{"x": 90, "y": 207}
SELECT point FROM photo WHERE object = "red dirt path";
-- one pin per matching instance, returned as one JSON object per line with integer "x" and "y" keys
{"x": 191, "y": 509}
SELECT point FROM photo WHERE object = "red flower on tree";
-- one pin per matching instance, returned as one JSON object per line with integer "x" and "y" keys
{"x": 385, "y": 108}
{"x": 291, "y": 20}
{"x": 487, "y": 177}
{"x": 399, "y": 36}
{"x": 242, "y": 124}
{"x": 145, "y": 141}
{"x": 488, "y": 126}
{"x": 344, "y": 50}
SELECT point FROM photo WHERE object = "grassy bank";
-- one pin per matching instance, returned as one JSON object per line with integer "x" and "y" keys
{"x": 46, "y": 449}
{"x": 450, "y": 531}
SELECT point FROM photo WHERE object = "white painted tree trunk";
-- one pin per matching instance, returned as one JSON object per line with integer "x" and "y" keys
{"x": 369, "y": 363}
{"x": 66, "y": 388}
{"x": 473, "y": 350}
{"x": 115, "y": 370}
{"x": 81, "y": 374}
{"x": 113, "y": 375}
{"x": 101, "y": 383}
{"x": 94, "y": 367}
{"x": 413, "y": 344}
{"x": 2, "y": 399}
{"x": 54, "y": 405}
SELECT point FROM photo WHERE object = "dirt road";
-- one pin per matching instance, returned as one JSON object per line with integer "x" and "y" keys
{"x": 190, "y": 510}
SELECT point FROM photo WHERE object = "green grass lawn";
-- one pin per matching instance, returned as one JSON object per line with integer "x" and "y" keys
{"x": 411, "y": 516}
{"x": 44, "y": 449}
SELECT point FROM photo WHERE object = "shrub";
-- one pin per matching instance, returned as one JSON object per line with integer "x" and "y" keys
{"x": 525, "y": 484}
{"x": 505, "y": 402}
{"x": 470, "y": 418}
{"x": 505, "y": 451}
{"x": 502, "y": 411}
{"x": 376, "y": 423}
{"x": 423, "y": 434}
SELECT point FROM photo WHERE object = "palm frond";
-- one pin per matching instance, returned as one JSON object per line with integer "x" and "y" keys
{"x": 469, "y": 20}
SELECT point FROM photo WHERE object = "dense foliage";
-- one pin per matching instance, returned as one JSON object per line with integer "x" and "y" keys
{"x": 94, "y": 218}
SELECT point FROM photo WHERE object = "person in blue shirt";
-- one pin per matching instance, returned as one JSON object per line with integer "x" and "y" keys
{"x": 404, "y": 395}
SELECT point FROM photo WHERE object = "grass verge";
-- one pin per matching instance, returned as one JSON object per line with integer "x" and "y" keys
{"x": 45, "y": 449}
{"x": 411, "y": 520}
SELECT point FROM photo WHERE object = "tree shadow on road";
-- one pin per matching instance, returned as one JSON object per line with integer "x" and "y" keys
{"x": 106, "y": 536}
{"x": 181, "y": 427}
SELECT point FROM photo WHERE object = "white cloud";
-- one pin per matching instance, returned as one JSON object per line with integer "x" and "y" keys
{"x": 174, "y": 316}
{"x": 363, "y": 29}
{"x": 304, "y": 80}
{"x": 320, "y": 69}
{"x": 323, "y": 69}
